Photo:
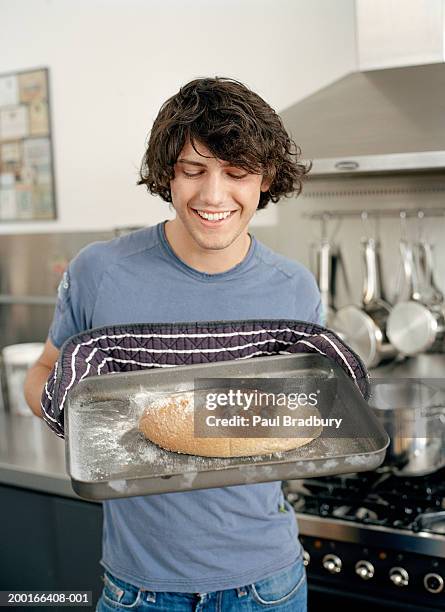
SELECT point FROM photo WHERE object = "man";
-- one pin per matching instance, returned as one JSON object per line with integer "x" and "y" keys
{"x": 217, "y": 152}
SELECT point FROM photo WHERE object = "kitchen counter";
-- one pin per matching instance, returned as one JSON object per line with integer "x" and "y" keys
{"x": 32, "y": 456}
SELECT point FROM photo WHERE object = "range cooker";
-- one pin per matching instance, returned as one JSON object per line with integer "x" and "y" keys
{"x": 374, "y": 540}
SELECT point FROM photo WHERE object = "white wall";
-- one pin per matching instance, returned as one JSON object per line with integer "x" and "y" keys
{"x": 113, "y": 62}
{"x": 393, "y": 33}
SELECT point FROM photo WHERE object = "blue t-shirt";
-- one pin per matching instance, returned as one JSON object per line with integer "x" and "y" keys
{"x": 204, "y": 540}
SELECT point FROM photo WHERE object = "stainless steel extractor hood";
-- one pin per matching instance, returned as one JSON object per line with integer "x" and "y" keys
{"x": 390, "y": 120}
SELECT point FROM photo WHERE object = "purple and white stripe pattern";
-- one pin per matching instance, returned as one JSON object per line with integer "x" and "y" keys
{"x": 126, "y": 348}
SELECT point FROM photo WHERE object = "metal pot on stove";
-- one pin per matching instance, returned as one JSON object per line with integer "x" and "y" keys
{"x": 413, "y": 413}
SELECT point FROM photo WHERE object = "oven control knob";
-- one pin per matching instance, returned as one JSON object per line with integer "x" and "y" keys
{"x": 433, "y": 583}
{"x": 332, "y": 564}
{"x": 306, "y": 558}
{"x": 364, "y": 569}
{"x": 399, "y": 576}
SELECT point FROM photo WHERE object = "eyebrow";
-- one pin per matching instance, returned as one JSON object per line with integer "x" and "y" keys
{"x": 192, "y": 162}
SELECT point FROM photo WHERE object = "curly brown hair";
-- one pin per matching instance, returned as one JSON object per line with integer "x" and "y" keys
{"x": 236, "y": 126}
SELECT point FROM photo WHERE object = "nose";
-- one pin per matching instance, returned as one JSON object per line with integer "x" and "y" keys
{"x": 212, "y": 192}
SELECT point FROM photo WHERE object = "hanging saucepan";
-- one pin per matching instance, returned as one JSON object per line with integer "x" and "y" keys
{"x": 418, "y": 325}
{"x": 326, "y": 263}
{"x": 326, "y": 257}
{"x": 364, "y": 329}
{"x": 431, "y": 293}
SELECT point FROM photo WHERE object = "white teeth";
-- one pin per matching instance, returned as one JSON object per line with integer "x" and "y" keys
{"x": 213, "y": 216}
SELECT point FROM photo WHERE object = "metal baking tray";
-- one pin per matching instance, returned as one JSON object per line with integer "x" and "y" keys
{"x": 107, "y": 457}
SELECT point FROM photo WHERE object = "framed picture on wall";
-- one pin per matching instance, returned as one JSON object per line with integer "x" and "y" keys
{"x": 27, "y": 186}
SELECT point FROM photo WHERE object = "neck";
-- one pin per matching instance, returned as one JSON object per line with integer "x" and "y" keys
{"x": 209, "y": 261}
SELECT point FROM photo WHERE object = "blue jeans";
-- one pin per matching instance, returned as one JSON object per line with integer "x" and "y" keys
{"x": 284, "y": 591}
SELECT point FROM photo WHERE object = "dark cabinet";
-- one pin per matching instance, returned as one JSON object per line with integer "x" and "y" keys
{"x": 49, "y": 542}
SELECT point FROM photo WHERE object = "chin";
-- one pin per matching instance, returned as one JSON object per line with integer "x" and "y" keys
{"x": 214, "y": 245}
{"x": 215, "y": 242}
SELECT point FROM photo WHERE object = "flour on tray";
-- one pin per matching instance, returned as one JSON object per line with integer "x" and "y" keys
{"x": 105, "y": 443}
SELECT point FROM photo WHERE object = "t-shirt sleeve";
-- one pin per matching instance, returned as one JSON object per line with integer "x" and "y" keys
{"x": 319, "y": 314}
{"x": 76, "y": 297}
{"x": 309, "y": 298}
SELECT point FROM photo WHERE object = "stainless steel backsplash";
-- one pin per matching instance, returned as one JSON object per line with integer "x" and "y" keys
{"x": 31, "y": 267}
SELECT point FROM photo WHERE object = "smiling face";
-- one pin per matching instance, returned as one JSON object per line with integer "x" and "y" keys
{"x": 214, "y": 202}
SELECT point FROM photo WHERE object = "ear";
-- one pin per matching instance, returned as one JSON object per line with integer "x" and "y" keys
{"x": 266, "y": 183}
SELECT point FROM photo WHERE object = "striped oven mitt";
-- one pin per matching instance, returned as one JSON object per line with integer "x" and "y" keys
{"x": 130, "y": 347}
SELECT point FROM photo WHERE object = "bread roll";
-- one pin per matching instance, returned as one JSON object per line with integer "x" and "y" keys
{"x": 169, "y": 423}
